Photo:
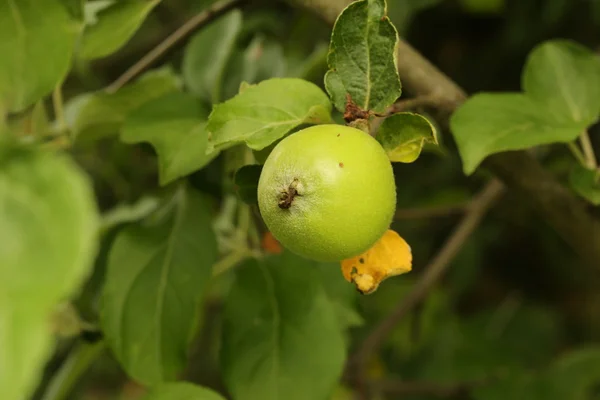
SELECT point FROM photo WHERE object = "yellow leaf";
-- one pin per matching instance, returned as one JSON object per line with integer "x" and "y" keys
{"x": 390, "y": 256}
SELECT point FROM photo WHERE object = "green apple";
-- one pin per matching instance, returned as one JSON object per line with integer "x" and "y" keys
{"x": 327, "y": 192}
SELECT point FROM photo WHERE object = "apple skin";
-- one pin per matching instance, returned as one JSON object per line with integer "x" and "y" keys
{"x": 327, "y": 192}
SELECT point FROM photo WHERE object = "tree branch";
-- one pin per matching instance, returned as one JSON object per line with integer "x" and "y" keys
{"x": 196, "y": 22}
{"x": 431, "y": 274}
{"x": 566, "y": 213}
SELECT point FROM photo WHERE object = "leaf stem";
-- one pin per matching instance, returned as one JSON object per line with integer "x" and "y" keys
{"x": 199, "y": 20}
{"x": 76, "y": 364}
{"x": 588, "y": 150}
{"x": 231, "y": 260}
{"x": 577, "y": 153}
{"x": 58, "y": 105}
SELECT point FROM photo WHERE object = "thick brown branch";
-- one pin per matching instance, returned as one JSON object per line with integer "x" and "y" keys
{"x": 194, "y": 23}
{"x": 568, "y": 215}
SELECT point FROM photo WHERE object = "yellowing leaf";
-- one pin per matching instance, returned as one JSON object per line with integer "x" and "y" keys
{"x": 390, "y": 256}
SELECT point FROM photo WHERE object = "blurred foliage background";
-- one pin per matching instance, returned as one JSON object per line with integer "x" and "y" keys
{"x": 509, "y": 320}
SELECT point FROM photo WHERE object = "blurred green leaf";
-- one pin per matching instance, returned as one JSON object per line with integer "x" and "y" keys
{"x": 124, "y": 213}
{"x": 207, "y": 55}
{"x": 281, "y": 339}
{"x": 114, "y": 25}
{"x": 181, "y": 391}
{"x": 362, "y": 58}
{"x": 570, "y": 377}
{"x": 586, "y": 183}
{"x": 491, "y": 123}
{"x": 483, "y": 6}
{"x": 265, "y": 112}
{"x": 175, "y": 126}
{"x": 156, "y": 275}
{"x": 402, "y": 12}
{"x": 36, "y": 40}
{"x": 246, "y": 180}
{"x": 403, "y": 136}
{"x": 564, "y": 76}
{"x": 48, "y": 242}
{"x": 91, "y": 116}
{"x": 561, "y": 81}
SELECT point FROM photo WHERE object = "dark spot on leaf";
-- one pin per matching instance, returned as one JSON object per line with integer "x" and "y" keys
{"x": 338, "y": 135}
{"x": 341, "y": 165}
{"x": 354, "y": 270}
{"x": 361, "y": 260}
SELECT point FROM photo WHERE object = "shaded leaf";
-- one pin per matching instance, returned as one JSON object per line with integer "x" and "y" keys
{"x": 207, "y": 55}
{"x": 561, "y": 83}
{"x": 491, "y": 123}
{"x": 389, "y": 256}
{"x": 47, "y": 245}
{"x": 94, "y": 115}
{"x": 586, "y": 183}
{"x": 403, "y": 136}
{"x": 564, "y": 76}
{"x": 265, "y": 112}
{"x": 113, "y": 26}
{"x": 246, "y": 181}
{"x": 175, "y": 126}
{"x": 362, "y": 57}
{"x": 156, "y": 274}
{"x": 27, "y": 31}
{"x": 181, "y": 391}
{"x": 280, "y": 339}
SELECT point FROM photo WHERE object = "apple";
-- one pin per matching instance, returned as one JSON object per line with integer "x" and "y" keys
{"x": 327, "y": 192}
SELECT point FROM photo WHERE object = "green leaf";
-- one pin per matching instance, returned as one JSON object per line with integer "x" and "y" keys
{"x": 246, "y": 181}
{"x": 95, "y": 115}
{"x": 113, "y": 27}
{"x": 586, "y": 183}
{"x": 265, "y": 112}
{"x": 342, "y": 295}
{"x": 181, "y": 391}
{"x": 565, "y": 77}
{"x": 281, "y": 339}
{"x": 403, "y": 136}
{"x": 362, "y": 58}
{"x": 491, "y": 123}
{"x": 48, "y": 240}
{"x": 156, "y": 274}
{"x": 561, "y": 83}
{"x": 175, "y": 126}
{"x": 37, "y": 42}
{"x": 207, "y": 54}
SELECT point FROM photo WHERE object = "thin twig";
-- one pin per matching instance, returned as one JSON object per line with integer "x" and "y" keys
{"x": 194, "y": 23}
{"x": 431, "y": 274}
{"x": 401, "y": 388}
{"x": 588, "y": 151}
{"x": 57, "y": 104}
{"x": 430, "y": 212}
{"x": 416, "y": 102}
{"x": 577, "y": 153}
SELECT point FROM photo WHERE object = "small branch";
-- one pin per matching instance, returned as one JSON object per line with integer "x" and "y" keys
{"x": 431, "y": 274}
{"x": 196, "y": 22}
{"x": 416, "y": 102}
{"x": 577, "y": 153}
{"x": 430, "y": 212}
{"x": 69, "y": 373}
{"x": 588, "y": 151}
{"x": 400, "y": 388}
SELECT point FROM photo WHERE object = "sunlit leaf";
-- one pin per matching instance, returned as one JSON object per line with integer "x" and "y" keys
{"x": 36, "y": 41}
{"x": 403, "y": 136}
{"x": 265, "y": 112}
{"x": 390, "y": 256}
{"x": 47, "y": 245}
{"x": 113, "y": 26}
{"x": 181, "y": 391}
